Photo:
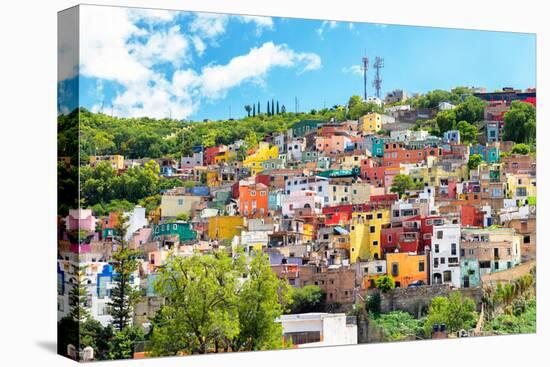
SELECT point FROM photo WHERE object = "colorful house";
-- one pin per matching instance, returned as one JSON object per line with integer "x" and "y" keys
{"x": 489, "y": 153}
{"x": 264, "y": 152}
{"x": 365, "y": 229}
{"x": 116, "y": 161}
{"x": 224, "y": 227}
{"x": 178, "y": 228}
{"x": 253, "y": 199}
{"x": 407, "y": 267}
{"x": 304, "y": 127}
{"x": 370, "y": 123}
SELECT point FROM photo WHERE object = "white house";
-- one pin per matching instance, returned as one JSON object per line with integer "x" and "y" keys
{"x": 319, "y": 329}
{"x": 313, "y": 183}
{"x": 445, "y": 255}
{"x": 136, "y": 221}
{"x": 306, "y": 199}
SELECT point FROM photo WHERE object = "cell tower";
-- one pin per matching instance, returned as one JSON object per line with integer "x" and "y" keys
{"x": 377, "y": 82}
{"x": 365, "y": 68}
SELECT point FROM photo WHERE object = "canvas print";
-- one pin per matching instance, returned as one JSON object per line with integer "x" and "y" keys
{"x": 231, "y": 183}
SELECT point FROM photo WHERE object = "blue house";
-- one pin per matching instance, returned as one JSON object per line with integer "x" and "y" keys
{"x": 490, "y": 154}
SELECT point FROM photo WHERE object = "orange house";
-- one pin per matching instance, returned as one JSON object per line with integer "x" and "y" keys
{"x": 397, "y": 153}
{"x": 253, "y": 199}
{"x": 407, "y": 267}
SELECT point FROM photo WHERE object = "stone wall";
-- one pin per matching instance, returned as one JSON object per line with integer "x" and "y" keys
{"x": 417, "y": 300}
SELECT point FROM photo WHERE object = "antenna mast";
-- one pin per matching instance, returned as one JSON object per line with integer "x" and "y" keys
{"x": 377, "y": 83}
{"x": 365, "y": 68}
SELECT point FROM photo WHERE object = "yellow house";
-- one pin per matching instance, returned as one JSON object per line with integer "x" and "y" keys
{"x": 521, "y": 186}
{"x": 308, "y": 232}
{"x": 264, "y": 153}
{"x": 370, "y": 123}
{"x": 223, "y": 157}
{"x": 116, "y": 161}
{"x": 365, "y": 234}
{"x": 212, "y": 178}
{"x": 406, "y": 268}
{"x": 224, "y": 227}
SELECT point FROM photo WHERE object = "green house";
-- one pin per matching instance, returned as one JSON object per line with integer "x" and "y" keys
{"x": 304, "y": 127}
{"x": 179, "y": 228}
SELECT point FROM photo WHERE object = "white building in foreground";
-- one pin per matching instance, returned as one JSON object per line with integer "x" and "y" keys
{"x": 319, "y": 329}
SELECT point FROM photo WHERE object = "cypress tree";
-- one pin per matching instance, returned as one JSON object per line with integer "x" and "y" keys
{"x": 123, "y": 295}
{"x": 277, "y": 107}
{"x": 272, "y": 107}
{"x": 259, "y": 107}
{"x": 254, "y": 110}
{"x": 268, "y": 112}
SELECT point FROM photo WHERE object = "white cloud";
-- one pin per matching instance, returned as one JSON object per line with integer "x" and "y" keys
{"x": 217, "y": 79}
{"x": 199, "y": 45}
{"x": 104, "y": 32}
{"x": 152, "y": 15}
{"x": 353, "y": 69}
{"x": 115, "y": 49}
{"x": 262, "y": 23}
{"x": 209, "y": 25}
{"x": 331, "y": 24}
{"x": 163, "y": 46}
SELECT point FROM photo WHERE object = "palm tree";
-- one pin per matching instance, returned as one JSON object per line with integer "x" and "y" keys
{"x": 248, "y": 109}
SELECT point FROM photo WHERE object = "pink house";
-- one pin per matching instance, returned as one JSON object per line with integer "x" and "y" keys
{"x": 80, "y": 219}
{"x": 332, "y": 144}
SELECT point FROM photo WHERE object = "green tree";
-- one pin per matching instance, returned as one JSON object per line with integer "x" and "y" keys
{"x": 78, "y": 295}
{"x": 310, "y": 298}
{"x": 385, "y": 283}
{"x": 372, "y": 303}
{"x": 446, "y": 120}
{"x": 248, "y": 109}
{"x": 474, "y": 161}
{"x": 402, "y": 183}
{"x": 468, "y": 132}
{"x": 398, "y": 325}
{"x": 261, "y": 300}
{"x": 471, "y": 110}
{"x": 200, "y": 311}
{"x": 124, "y": 294}
{"x": 121, "y": 344}
{"x": 522, "y": 149}
{"x": 520, "y": 123}
{"x": 455, "y": 311}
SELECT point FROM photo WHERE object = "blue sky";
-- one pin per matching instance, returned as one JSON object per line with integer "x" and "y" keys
{"x": 197, "y": 65}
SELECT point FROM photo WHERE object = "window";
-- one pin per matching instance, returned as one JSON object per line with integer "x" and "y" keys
{"x": 175, "y": 227}
{"x": 436, "y": 248}
{"x": 421, "y": 266}
{"x": 379, "y": 215}
{"x": 439, "y": 235}
{"x": 442, "y": 260}
{"x": 447, "y": 276}
{"x": 180, "y": 202}
{"x": 372, "y": 229}
{"x": 526, "y": 239}
{"x": 436, "y": 262}
{"x": 389, "y": 238}
{"x": 453, "y": 248}
{"x": 375, "y": 243}
{"x": 394, "y": 269}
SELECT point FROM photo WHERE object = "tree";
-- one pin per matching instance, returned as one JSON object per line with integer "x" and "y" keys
{"x": 455, "y": 311}
{"x": 268, "y": 109}
{"x": 248, "y": 109}
{"x": 474, "y": 161}
{"x": 402, "y": 183}
{"x": 372, "y": 304}
{"x": 277, "y": 110}
{"x": 283, "y": 109}
{"x": 272, "y": 107}
{"x": 201, "y": 294}
{"x": 309, "y": 298}
{"x": 261, "y": 300}
{"x": 446, "y": 120}
{"x": 520, "y": 123}
{"x": 468, "y": 132}
{"x": 78, "y": 295}
{"x": 398, "y": 325}
{"x": 521, "y": 148}
{"x": 124, "y": 295}
{"x": 385, "y": 283}
{"x": 121, "y": 344}
{"x": 259, "y": 107}
{"x": 471, "y": 110}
